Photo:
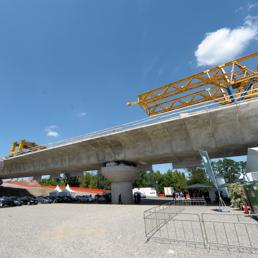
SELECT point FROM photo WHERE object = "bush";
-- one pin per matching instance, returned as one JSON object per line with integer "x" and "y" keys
{"x": 236, "y": 195}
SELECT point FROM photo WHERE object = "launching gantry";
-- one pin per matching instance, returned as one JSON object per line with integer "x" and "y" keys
{"x": 24, "y": 146}
{"x": 224, "y": 84}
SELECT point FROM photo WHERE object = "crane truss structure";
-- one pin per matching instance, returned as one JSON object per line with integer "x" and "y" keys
{"x": 224, "y": 84}
{"x": 24, "y": 146}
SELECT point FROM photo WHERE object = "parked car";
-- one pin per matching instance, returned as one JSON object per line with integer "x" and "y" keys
{"x": 84, "y": 198}
{"x": 69, "y": 199}
{"x": 28, "y": 200}
{"x": 44, "y": 199}
{"x": 53, "y": 199}
{"x": 5, "y": 201}
{"x": 100, "y": 198}
{"x": 15, "y": 201}
{"x": 108, "y": 197}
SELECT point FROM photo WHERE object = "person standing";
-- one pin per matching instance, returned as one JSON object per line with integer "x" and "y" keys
{"x": 120, "y": 199}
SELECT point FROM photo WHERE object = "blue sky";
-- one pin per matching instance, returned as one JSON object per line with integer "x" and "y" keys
{"x": 69, "y": 67}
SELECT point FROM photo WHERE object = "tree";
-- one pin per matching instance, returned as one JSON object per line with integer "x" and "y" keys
{"x": 176, "y": 180}
{"x": 229, "y": 168}
{"x": 94, "y": 181}
{"x": 149, "y": 179}
{"x": 158, "y": 180}
{"x": 102, "y": 182}
{"x": 52, "y": 181}
{"x": 198, "y": 176}
{"x": 88, "y": 181}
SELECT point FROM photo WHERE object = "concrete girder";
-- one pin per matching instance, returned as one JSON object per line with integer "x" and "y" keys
{"x": 228, "y": 131}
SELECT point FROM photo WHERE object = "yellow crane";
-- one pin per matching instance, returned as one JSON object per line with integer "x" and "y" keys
{"x": 24, "y": 146}
{"x": 224, "y": 84}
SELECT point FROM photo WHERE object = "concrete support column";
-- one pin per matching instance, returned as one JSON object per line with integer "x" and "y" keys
{"x": 121, "y": 177}
{"x": 123, "y": 188}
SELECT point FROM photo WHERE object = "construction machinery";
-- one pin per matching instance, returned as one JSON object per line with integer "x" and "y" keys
{"x": 230, "y": 82}
{"x": 24, "y": 146}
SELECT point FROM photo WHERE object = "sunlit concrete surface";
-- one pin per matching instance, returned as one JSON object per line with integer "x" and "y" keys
{"x": 89, "y": 230}
{"x": 228, "y": 131}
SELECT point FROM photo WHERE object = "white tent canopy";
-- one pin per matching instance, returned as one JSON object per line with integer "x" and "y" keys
{"x": 68, "y": 191}
{"x": 56, "y": 191}
{"x": 68, "y": 188}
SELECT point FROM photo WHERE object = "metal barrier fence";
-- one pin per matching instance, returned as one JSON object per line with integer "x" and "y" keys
{"x": 207, "y": 230}
{"x": 156, "y": 217}
{"x": 188, "y": 202}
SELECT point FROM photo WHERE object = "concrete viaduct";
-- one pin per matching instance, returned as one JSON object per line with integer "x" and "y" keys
{"x": 121, "y": 152}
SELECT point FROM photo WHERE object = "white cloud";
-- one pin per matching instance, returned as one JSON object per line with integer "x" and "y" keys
{"x": 250, "y": 6}
{"x": 239, "y": 9}
{"x": 51, "y": 131}
{"x": 82, "y": 114}
{"x": 52, "y": 134}
{"x": 226, "y": 44}
{"x": 247, "y": 8}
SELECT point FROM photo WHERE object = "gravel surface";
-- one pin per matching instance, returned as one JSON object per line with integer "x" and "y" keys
{"x": 88, "y": 230}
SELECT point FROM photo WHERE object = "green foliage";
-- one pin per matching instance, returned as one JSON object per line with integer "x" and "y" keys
{"x": 52, "y": 181}
{"x": 176, "y": 180}
{"x": 87, "y": 180}
{"x": 159, "y": 181}
{"x": 102, "y": 182}
{"x": 229, "y": 168}
{"x": 236, "y": 195}
{"x": 198, "y": 176}
{"x": 148, "y": 179}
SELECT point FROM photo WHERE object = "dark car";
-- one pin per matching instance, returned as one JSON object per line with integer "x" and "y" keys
{"x": 28, "y": 200}
{"x": 48, "y": 199}
{"x": 100, "y": 198}
{"x": 84, "y": 198}
{"x": 15, "y": 201}
{"x": 59, "y": 199}
{"x": 44, "y": 199}
{"x": 69, "y": 199}
{"x": 108, "y": 197}
{"x": 5, "y": 202}
{"x": 53, "y": 199}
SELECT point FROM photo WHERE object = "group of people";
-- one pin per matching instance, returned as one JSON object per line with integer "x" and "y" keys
{"x": 189, "y": 195}
{"x": 180, "y": 195}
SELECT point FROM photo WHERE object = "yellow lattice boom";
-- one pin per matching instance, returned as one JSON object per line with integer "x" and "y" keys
{"x": 223, "y": 84}
{"x": 24, "y": 146}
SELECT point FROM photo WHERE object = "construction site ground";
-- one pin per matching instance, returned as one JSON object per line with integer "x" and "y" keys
{"x": 89, "y": 230}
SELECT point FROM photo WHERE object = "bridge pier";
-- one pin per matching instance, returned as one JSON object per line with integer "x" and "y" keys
{"x": 121, "y": 177}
